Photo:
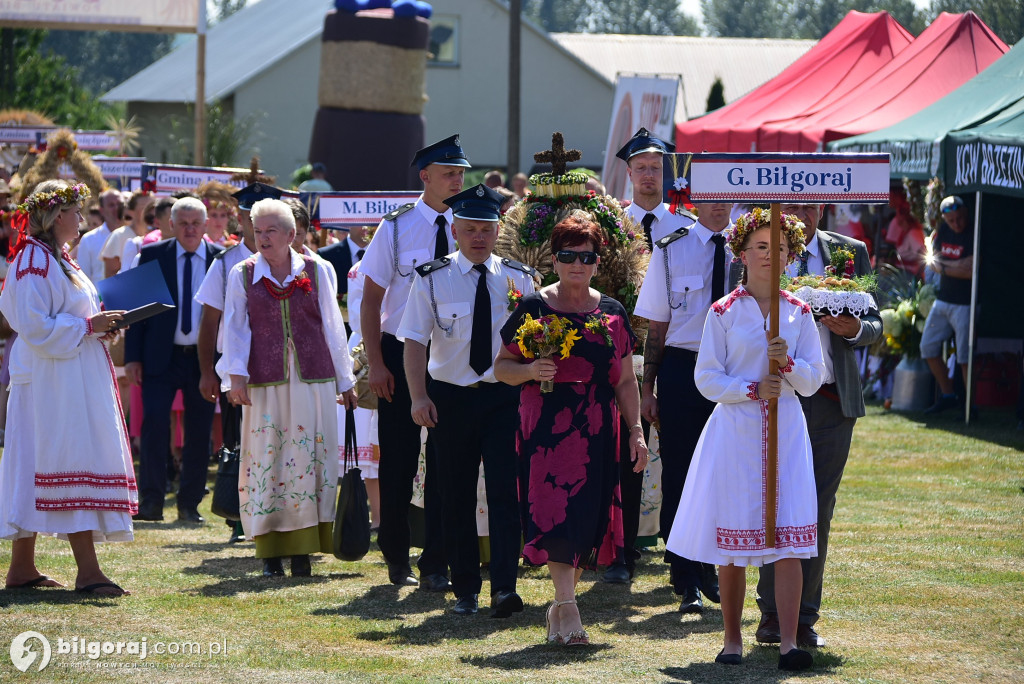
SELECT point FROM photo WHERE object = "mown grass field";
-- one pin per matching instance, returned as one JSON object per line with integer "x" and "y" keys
{"x": 925, "y": 583}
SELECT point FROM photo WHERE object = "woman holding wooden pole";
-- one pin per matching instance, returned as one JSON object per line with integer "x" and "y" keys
{"x": 749, "y": 497}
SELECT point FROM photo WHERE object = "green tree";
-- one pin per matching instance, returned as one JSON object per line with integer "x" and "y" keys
{"x": 1005, "y": 17}
{"x": 219, "y": 10}
{"x": 808, "y": 19}
{"x": 229, "y": 141}
{"x": 650, "y": 17}
{"x": 48, "y": 84}
{"x": 107, "y": 58}
{"x": 716, "y": 96}
{"x": 749, "y": 18}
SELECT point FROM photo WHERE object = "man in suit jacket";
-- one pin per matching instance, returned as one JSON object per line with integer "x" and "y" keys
{"x": 161, "y": 355}
{"x": 831, "y": 414}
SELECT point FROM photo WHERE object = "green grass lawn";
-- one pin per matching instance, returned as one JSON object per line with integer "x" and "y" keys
{"x": 925, "y": 583}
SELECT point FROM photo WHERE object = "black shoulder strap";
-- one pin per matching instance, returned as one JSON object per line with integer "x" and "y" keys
{"x": 672, "y": 237}
{"x": 519, "y": 266}
{"x": 395, "y": 213}
{"x": 431, "y": 266}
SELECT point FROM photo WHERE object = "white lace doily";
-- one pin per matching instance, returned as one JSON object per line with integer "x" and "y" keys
{"x": 836, "y": 302}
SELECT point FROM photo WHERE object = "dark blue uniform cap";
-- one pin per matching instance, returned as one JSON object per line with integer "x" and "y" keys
{"x": 253, "y": 193}
{"x": 642, "y": 142}
{"x": 479, "y": 203}
{"x": 447, "y": 152}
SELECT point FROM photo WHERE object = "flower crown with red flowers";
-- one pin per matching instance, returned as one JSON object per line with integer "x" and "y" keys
{"x": 72, "y": 194}
{"x": 757, "y": 218}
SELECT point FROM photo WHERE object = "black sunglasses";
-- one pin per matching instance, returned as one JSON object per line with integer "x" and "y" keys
{"x": 567, "y": 256}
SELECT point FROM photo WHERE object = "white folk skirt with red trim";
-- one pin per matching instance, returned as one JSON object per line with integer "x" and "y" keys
{"x": 66, "y": 465}
{"x": 721, "y": 514}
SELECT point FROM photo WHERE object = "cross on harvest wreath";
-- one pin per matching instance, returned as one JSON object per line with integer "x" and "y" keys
{"x": 558, "y": 156}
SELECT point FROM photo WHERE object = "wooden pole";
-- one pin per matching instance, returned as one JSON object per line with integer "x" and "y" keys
{"x": 514, "y": 85}
{"x": 200, "y": 107}
{"x": 772, "y": 467}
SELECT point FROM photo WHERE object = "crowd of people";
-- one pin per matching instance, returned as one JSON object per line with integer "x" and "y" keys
{"x": 257, "y": 335}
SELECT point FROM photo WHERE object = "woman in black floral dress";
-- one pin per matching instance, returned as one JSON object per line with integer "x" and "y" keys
{"x": 568, "y": 440}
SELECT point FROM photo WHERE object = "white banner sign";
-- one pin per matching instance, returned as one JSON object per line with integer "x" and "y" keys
{"x": 849, "y": 178}
{"x": 639, "y": 101}
{"x": 120, "y": 167}
{"x": 177, "y": 16}
{"x": 359, "y": 208}
{"x": 168, "y": 178}
{"x": 98, "y": 141}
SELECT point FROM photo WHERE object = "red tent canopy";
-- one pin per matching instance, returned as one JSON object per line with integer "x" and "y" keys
{"x": 951, "y": 51}
{"x": 856, "y": 48}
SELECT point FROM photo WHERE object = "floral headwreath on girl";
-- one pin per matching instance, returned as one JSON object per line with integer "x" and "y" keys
{"x": 757, "y": 218}
{"x": 71, "y": 194}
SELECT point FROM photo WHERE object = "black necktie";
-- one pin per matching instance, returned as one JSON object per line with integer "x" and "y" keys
{"x": 480, "y": 342}
{"x": 360, "y": 253}
{"x": 186, "y": 294}
{"x": 441, "y": 239}
{"x": 647, "y": 221}
{"x": 718, "y": 271}
{"x": 804, "y": 256}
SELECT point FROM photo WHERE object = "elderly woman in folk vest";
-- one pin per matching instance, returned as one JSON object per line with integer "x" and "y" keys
{"x": 286, "y": 360}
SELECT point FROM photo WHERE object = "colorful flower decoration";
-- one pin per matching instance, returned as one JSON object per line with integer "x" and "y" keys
{"x": 72, "y": 194}
{"x": 791, "y": 226}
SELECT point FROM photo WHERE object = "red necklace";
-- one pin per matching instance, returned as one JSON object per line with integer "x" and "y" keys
{"x": 282, "y": 293}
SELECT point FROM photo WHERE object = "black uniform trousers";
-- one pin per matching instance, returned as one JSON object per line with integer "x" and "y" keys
{"x": 682, "y": 413}
{"x": 158, "y": 391}
{"x": 631, "y": 489}
{"x": 399, "y": 457}
{"x": 831, "y": 434}
{"x": 474, "y": 423}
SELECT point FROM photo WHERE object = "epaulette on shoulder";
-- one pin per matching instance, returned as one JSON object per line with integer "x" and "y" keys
{"x": 432, "y": 266}
{"x": 672, "y": 237}
{"x": 221, "y": 253}
{"x": 528, "y": 270}
{"x": 395, "y": 213}
{"x": 686, "y": 214}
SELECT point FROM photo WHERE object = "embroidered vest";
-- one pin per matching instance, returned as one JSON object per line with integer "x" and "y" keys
{"x": 273, "y": 322}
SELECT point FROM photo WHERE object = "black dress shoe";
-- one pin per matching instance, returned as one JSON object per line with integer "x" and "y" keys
{"x": 402, "y": 576}
{"x": 768, "y": 630}
{"x": 724, "y": 658}
{"x": 807, "y": 636}
{"x": 709, "y": 583}
{"x": 504, "y": 603}
{"x": 272, "y": 567}
{"x": 190, "y": 515}
{"x": 149, "y": 513}
{"x": 616, "y": 574}
{"x": 795, "y": 660}
{"x": 691, "y": 602}
{"x": 301, "y": 566}
{"x": 466, "y": 605}
{"x": 435, "y": 582}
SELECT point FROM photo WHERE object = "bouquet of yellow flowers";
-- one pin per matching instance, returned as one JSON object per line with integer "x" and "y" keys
{"x": 544, "y": 337}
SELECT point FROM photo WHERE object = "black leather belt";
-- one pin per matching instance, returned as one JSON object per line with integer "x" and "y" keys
{"x": 186, "y": 348}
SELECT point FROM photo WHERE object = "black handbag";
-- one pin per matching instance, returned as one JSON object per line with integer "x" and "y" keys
{"x": 351, "y": 539}
{"x": 225, "y": 487}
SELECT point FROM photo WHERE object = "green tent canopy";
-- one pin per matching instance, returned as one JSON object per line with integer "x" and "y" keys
{"x": 916, "y": 144}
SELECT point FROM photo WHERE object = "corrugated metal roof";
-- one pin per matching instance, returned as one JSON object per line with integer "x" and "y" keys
{"x": 236, "y": 49}
{"x": 743, "y": 64}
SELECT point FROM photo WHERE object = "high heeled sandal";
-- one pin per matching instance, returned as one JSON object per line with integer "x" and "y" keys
{"x": 556, "y": 637}
{"x": 577, "y": 637}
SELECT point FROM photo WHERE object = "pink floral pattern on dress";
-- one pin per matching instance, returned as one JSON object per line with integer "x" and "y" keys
{"x": 568, "y": 443}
